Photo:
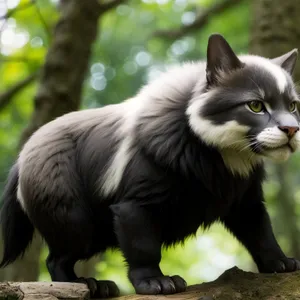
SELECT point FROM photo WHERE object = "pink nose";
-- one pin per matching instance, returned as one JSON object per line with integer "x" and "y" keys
{"x": 289, "y": 130}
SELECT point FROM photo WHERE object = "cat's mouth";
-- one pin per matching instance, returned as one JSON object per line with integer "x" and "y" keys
{"x": 260, "y": 147}
{"x": 284, "y": 146}
{"x": 278, "y": 153}
{"x": 275, "y": 144}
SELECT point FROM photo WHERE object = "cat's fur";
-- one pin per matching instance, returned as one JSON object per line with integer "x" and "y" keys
{"x": 186, "y": 151}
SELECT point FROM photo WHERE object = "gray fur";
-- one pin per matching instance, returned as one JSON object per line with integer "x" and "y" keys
{"x": 76, "y": 146}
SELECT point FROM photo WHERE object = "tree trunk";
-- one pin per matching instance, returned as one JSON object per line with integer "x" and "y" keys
{"x": 286, "y": 206}
{"x": 59, "y": 92}
{"x": 66, "y": 63}
{"x": 275, "y": 28}
{"x": 274, "y": 31}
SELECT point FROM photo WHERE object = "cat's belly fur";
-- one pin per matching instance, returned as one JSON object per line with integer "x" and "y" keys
{"x": 181, "y": 216}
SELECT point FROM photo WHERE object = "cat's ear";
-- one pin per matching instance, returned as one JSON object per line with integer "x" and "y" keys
{"x": 220, "y": 58}
{"x": 287, "y": 61}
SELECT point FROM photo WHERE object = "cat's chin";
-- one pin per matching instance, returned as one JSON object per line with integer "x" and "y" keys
{"x": 278, "y": 155}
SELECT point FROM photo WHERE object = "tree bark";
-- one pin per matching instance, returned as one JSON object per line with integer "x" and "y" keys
{"x": 274, "y": 31}
{"x": 66, "y": 63}
{"x": 274, "y": 28}
{"x": 59, "y": 92}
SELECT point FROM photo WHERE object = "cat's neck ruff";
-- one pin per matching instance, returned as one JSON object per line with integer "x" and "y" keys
{"x": 242, "y": 163}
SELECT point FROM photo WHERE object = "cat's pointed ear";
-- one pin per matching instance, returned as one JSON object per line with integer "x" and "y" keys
{"x": 220, "y": 58}
{"x": 287, "y": 61}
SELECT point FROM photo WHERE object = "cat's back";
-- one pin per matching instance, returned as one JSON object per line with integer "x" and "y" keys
{"x": 65, "y": 132}
{"x": 51, "y": 154}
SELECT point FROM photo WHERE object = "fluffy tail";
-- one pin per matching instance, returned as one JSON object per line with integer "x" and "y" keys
{"x": 17, "y": 230}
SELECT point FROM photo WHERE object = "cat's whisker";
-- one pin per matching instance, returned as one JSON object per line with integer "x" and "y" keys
{"x": 248, "y": 146}
{"x": 239, "y": 141}
{"x": 256, "y": 146}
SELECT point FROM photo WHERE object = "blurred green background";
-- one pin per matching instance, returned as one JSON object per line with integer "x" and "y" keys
{"x": 125, "y": 55}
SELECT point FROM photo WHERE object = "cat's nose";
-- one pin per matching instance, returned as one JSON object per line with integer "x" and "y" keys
{"x": 289, "y": 130}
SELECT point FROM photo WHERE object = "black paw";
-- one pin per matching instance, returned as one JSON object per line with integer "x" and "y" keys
{"x": 282, "y": 265}
{"x": 100, "y": 288}
{"x": 160, "y": 285}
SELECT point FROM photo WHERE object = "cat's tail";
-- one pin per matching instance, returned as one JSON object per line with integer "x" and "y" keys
{"x": 17, "y": 230}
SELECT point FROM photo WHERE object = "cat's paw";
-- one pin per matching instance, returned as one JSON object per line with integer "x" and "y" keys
{"x": 100, "y": 288}
{"x": 160, "y": 285}
{"x": 283, "y": 265}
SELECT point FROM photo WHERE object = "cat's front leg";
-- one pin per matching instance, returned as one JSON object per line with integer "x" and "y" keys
{"x": 139, "y": 240}
{"x": 250, "y": 223}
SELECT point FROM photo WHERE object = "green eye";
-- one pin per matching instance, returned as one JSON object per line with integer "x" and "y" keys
{"x": 256, "y": 106}
{"x": 293, "y": 106}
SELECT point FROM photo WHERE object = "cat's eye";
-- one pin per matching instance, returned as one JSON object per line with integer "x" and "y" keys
{"x": 293, "y": 106}
{"x": 256, "y": 106}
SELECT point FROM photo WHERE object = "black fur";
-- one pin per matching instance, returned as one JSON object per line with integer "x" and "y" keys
{"x": 17, "y": 230}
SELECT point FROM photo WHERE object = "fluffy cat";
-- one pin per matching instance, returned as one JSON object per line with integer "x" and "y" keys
{"x": 185, "y": 152}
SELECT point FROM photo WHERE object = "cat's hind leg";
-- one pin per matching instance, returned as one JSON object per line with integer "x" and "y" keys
{"x": 54, "y": 198}
{"x": 62, "y": 269}
{"x": 70, "y": 235}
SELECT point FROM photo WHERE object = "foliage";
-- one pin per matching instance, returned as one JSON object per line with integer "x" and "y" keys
{"x": 125, "y": 56}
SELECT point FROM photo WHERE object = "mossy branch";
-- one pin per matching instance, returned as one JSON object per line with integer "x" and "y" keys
{"x": 200, "y": 21}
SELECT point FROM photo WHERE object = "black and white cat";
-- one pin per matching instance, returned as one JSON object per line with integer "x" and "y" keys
{"x": 186, "y": 151}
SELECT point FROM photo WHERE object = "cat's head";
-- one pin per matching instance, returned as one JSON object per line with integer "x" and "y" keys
{"x": 250, "y": 104}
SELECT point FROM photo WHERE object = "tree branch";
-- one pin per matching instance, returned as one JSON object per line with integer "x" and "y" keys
{"x": 14, "y": 10}
{"x": 19, "y": 59}
{"x": 43, "y": 21}
{"x": 8, "y": 95}
{"x": 110, "y": 5}
{"x": 201, "y": 20}
{"x": 232, "y": 284}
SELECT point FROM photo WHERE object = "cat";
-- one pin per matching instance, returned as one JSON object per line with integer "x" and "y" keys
{"x": 187, "y": 151}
